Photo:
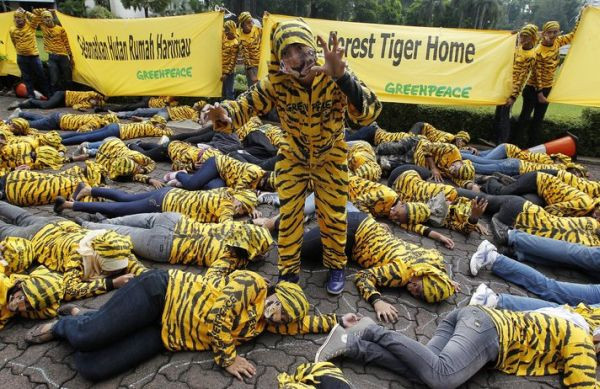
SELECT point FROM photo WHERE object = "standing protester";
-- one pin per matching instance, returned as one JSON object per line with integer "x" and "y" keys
{"x": 523, "y": 63}
{"x": 249, "y": 36}
{"x": 539, "y": 85}
{"x": 56, "y": 44}
{"x": 28, "y": 58}
{"x": 311, "y": 98}
{"x": 229, "y": 54}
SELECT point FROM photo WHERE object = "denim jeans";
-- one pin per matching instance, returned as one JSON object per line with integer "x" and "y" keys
{"x": 123, "y": 332}
{"x": 33, "y": 74}
{"x": 59, "y": 67}
{"x": 41, "y": 122}
{"x": 123, "y": 203}
{"x": 202, "y": 177}
{"x": 508, "y": 166}
{"x": 56, "y": 101}
{"x": 365, "y": 133}
{"x": 151, "y": 233}
{"x": 464, "y": 342}
{"x": 498, "y": 152}
{"x": 228, "y": 91}
{"x": 100, "y": 134}
{"x": 546, "y": 288}
{"x": 20, "y": 222}
{"x": 144, "y": 112}
{"x": 522, "y": 303}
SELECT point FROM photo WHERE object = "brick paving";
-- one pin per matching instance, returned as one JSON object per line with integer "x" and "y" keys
{"x": 51, "y": 365}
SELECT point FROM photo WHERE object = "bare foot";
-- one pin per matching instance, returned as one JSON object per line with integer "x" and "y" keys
{"x": 265, "y": 222}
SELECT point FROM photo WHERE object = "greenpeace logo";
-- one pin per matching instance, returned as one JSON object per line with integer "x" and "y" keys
{"x": 164, "y": 73}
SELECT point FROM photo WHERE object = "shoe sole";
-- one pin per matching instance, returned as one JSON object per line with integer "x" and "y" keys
{"x": 326, "y": 342}
{"x": 334, "y": 293}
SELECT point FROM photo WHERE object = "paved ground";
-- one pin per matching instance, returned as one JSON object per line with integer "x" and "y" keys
{"x": 51, "y": 365}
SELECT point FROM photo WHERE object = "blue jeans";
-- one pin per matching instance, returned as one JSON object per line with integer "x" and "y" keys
{"x": 228, "y": 91}
{"x": 41, "y": 122}
{"x": 144, "y": 112}
{"x": 76, "y": 138}
{"x": 206, "y": 177}
{"x": 124, "y": 203}
{"x": 124, "y": 332}
{"x": 522, "y": 303}
{"x": 33, "y": 75}
{"x": 365, "y": 133}
{"x": 508, "y": 166}
{"x": 498, "y": 152}
{"x": 546, "y": 288}
{"x": 547, "y": 251}
{"x": 464, "y": 342}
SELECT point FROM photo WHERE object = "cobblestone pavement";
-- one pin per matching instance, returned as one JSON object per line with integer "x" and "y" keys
{"x": 51, "y": 365}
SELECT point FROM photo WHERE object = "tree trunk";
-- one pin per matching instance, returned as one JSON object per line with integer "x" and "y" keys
{"x": 146, "y": 11}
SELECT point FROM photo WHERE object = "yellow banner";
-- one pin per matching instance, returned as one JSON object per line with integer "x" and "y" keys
{"x": 579, "y": 80}
{"x": 8, "y": 55}
{"x": 419, "y": 65}
{"x": 176, "y": 56}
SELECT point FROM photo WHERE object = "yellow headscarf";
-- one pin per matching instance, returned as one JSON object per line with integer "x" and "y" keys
{"x": 530, "y": 30}
{"x": 46, "y": 14}
{"x": 49, "y": 157}
{"x": 417, "y": 213}
{"x": 286, "y": 33}
{"x": 551, "y": 25}
{"x": 93, "y": 173}
{"x": 229, "y": 27}
{"x": 244, "y": 16}
{"x": 463, "y": 135}
{"x": 292, "y": 299}
{"x": 20, "y": 126}
{"x": 121, "y": 167}
{"x": 198, "y": 105}
{"x": 113, "y": 247}
{"x": 157, "y": 119}
{"x": 254, "y": 239}
{"x": 437, "y": 285}
{"x": 247, "y": 197}
{"x": 51, "y": 139}
{"x": 18, "y": 253}
{"x": 466, "y": 171}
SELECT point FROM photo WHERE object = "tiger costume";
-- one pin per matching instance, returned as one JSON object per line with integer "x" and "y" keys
{"x": 411, "y": 187}
{"x": 16, "y": 154}
{"x": 84, "y": 122}
{"x": 362, "y": 161}
{"x": 162, "y": 102}
{"x": 534, "y": 220}
{"x": 56, "y": 247}
{"x": 27, "y": 188}
{"x": 589, "y": 187}
{"x": 563, "y": 199}
{"x": 83, "y": 100}
{"x": 314, "y": 153}
{"x": 307, "y": 375}
{"x": 434, "y": 135}
{"x": 444, "y": 155}
{"x": 121, "y": 162}
{"x": 211, "y": 206}
{"x": 383, "y": 136}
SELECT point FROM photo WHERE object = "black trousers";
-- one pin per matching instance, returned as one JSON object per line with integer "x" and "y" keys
{"x": 502, "y": 123}
{"x": 60, "y": 72}
{"x": 531, "y": 104}
{"x": 510, "y": 210}
{"x": 154, "y": 151}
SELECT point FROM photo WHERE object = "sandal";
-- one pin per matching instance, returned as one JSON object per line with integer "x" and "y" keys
{"x": 41, "y": 333}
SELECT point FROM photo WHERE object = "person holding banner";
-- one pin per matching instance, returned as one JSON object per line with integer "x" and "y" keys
{"x": 229, "y": 52}
{"x": 539, "y": 85}
{"x": 311, "y": 98}
{"x": 524, "y": 60}
{"x": 249, "y": 36}
{"x": 56, "y": 44}
{"x": 23, "y": 38}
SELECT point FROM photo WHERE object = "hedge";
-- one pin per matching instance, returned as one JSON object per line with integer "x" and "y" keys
{"x": 400, "y": 117}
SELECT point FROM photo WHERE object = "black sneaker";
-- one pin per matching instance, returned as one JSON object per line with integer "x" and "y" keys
{"x": 499, "y": 231}
{"x": 504, "y": 179}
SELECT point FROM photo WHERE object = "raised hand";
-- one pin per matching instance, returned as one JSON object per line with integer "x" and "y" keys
{"x": 216, "y": 114}
{"x": 335, "y": 64}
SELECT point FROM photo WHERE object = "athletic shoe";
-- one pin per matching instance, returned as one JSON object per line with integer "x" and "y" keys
{"x": 335, "y": 281}
{"x": 82, "y": 149}
{"x": 384, "y": 162}
{"x": 163, "y": 139}
{"x": 335, "y": 345}
{"x": 499, "y": 231}
{"x": 171, "y": 175}
{"x": 270, "y": 198}
{"x": 482, "y": 258}
{"x": 359, "y": 328}
{"x": 484, "y": 296}
{"x": 39, "y": 96}
{"x": 504, "y": 179}
{"x": 15, "y": 114}
{"x": 14, "y": 105}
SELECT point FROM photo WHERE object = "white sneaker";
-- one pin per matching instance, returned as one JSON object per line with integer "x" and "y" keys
{"x": 15, "y": 113}
{"x": 163, "y": 139}
{"x": 270, "y": 198}
{"x": 82, "y": 148}
{"x": 174, "y": 183}
{"x": 484, "y": 296}
{"x": 483, "y": 257}
{"x": 334, "y": 345}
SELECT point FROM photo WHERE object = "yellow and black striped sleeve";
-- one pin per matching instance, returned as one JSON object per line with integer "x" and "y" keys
{"x": 256, "y": 101}
{"x": 75, "y": 287}
{"x": 523, "y": 64}
{"x": 579, "y": 370}
{"x": 309, "y": 324}
{"x": 417, "y": 228}
{"x": 393, "y": 275}
{"x": 135, "y": 267}
{"x": 363, "y": 105}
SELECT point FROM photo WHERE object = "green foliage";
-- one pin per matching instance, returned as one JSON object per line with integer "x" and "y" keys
{"x": 72, "y": 7}
{"x": 240, "y": 83}
{"x": 479, "y": 123}
{"x": 100, "y": 12}
{"x": 156, "y": 6}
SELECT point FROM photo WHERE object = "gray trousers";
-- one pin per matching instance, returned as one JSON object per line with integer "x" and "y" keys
{"x": 21, "y": 223}
{"x": 463, "y": 343}
{"x": 151, "y": 233}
